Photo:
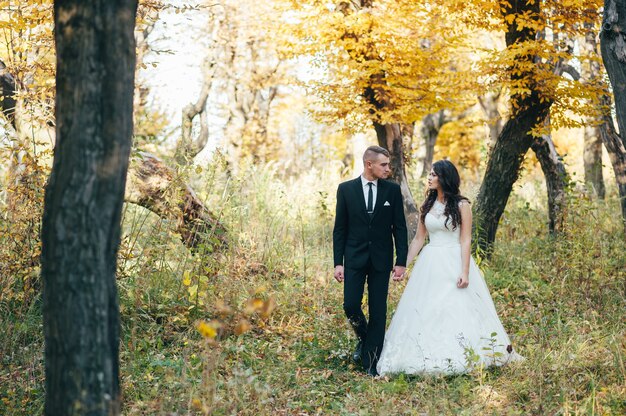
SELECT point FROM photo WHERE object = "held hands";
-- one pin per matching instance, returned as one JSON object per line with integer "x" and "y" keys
{"x": 339, "y": 273}
{"x": 463, "y": 281}
{"x": 398, "y": 273}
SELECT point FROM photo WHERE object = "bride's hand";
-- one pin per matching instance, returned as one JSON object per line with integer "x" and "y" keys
{"x": 462, "y": 282}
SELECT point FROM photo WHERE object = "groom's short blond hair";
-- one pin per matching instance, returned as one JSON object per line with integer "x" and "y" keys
{"x": 372, "y": 152}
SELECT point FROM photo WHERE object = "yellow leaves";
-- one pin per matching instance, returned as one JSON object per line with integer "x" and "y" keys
{"x": 222, "y": 308}
{"x": 206, "y": 330}
{"x": 187, "y": 278}
{"x": 242, "y": 326}
{"x": 263, "y": 307}
{"x": 427, "y": 52}
{"x": 193, "y": 293}
{"x": 253, "y": 305}
{"x": 253, "y": 313}
{"x": 509, "y": 18}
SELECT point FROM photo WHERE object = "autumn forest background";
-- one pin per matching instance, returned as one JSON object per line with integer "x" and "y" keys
{"x": 164, "y": 259}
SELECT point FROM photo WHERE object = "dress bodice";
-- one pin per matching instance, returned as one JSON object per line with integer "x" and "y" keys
{"x": 439, "y": 234}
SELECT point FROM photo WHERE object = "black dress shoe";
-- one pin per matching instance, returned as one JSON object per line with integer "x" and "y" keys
{"x": 372, "y": 371}
{"x": 358, "y": 352}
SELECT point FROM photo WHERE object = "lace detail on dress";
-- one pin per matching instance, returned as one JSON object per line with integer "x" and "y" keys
{"x": 437, "y": 209}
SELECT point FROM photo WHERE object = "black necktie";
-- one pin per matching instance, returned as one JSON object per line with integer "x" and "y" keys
{"x": 370, "y": 198}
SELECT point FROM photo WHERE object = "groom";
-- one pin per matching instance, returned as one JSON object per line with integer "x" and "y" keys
{"x": 369, "y": 213}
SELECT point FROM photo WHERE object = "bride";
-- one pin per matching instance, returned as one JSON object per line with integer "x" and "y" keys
{"x": 445, "y": 322}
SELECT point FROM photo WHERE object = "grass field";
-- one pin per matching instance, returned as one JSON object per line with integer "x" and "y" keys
{"x": 283, "y": 344}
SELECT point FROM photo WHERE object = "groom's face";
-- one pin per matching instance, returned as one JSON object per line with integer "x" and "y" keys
{"x": 379, "y": 167}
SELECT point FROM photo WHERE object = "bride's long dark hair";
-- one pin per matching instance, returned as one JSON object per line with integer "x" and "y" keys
{"x": 450, "y": 182}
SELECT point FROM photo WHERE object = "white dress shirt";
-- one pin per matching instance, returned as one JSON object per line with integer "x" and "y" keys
{"x": 366, "y": 190}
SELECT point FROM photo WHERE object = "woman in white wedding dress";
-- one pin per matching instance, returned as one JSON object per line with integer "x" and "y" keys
{"x": 445, "y": 322}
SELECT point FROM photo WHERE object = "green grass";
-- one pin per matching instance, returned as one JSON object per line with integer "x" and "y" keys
{"x": 562, "y": 301}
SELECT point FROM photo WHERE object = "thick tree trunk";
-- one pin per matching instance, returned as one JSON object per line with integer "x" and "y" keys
{"x": 613, "y": 48}
{"x": 153, "y": 185}
{"x": 556, "y": 181}
{"x": 390, "y": 136}
{"x": 617, "y": 153}
{"x": 508, "y": 152}
{"x": 83, "y": 205}
{"x": 502, "y": 171}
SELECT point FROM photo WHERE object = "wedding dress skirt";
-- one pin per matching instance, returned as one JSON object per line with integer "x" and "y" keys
{"x": 438, "y": 328}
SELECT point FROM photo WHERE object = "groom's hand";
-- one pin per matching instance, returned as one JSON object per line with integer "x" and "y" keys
{"x": 339, "y": 273}
{"x": 398, "y": 273}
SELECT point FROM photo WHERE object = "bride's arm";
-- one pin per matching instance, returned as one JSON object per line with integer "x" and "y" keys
{"x": 466, "y": 242}
{"x": 417, "y": 243}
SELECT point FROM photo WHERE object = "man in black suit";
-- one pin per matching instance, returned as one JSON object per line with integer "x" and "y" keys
{"x": 369, "y": 219}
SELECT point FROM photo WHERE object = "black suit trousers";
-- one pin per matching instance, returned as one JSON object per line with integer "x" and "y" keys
{"x": 372, "y": 332}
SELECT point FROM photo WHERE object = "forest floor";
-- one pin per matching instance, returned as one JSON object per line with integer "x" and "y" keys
{"x": 283, "y": 344}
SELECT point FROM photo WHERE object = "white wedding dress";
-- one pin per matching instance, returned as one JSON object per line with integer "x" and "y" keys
{"x": 438, "y": 328}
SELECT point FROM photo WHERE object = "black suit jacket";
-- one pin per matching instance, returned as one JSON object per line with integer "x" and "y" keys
{"x": 358, "y": 238}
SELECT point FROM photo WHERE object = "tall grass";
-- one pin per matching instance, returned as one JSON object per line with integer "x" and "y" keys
{"x": 561, "y": 299}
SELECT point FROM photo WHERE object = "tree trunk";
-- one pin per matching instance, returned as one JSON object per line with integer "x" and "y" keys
{"x": 153, "y": 185}
{"x": 83, "y": 205}
{"x": 489, "y": 104}
{"x": 149, "y": 177}
{"x": 187, "y": 148}
{"x": 429, "y": 130}
{"x": 7, "y": 93}
{"x": 617, "y": 154}
{"x": 508, "y": 152}
{"x": 390, "y": 136}
{"x": 502, "y": 171}
{"x": 556, "y": 180}
{"x": 613, "y": 48}
{"x": 592, "y": 160}
{"x": 592, "y": 149}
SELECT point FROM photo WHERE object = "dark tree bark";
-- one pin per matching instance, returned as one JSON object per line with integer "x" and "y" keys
{"x": 7, "y": 94}
{"x": 83, "y": 204}
{"x": 504, "y": 164}
{"x": 613, "y": 48}
{"x": 556, "y": 180}
{"x": 503, "y": 170}
{"x": 616, "y": 149}
{"x": 617, "y": 154}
